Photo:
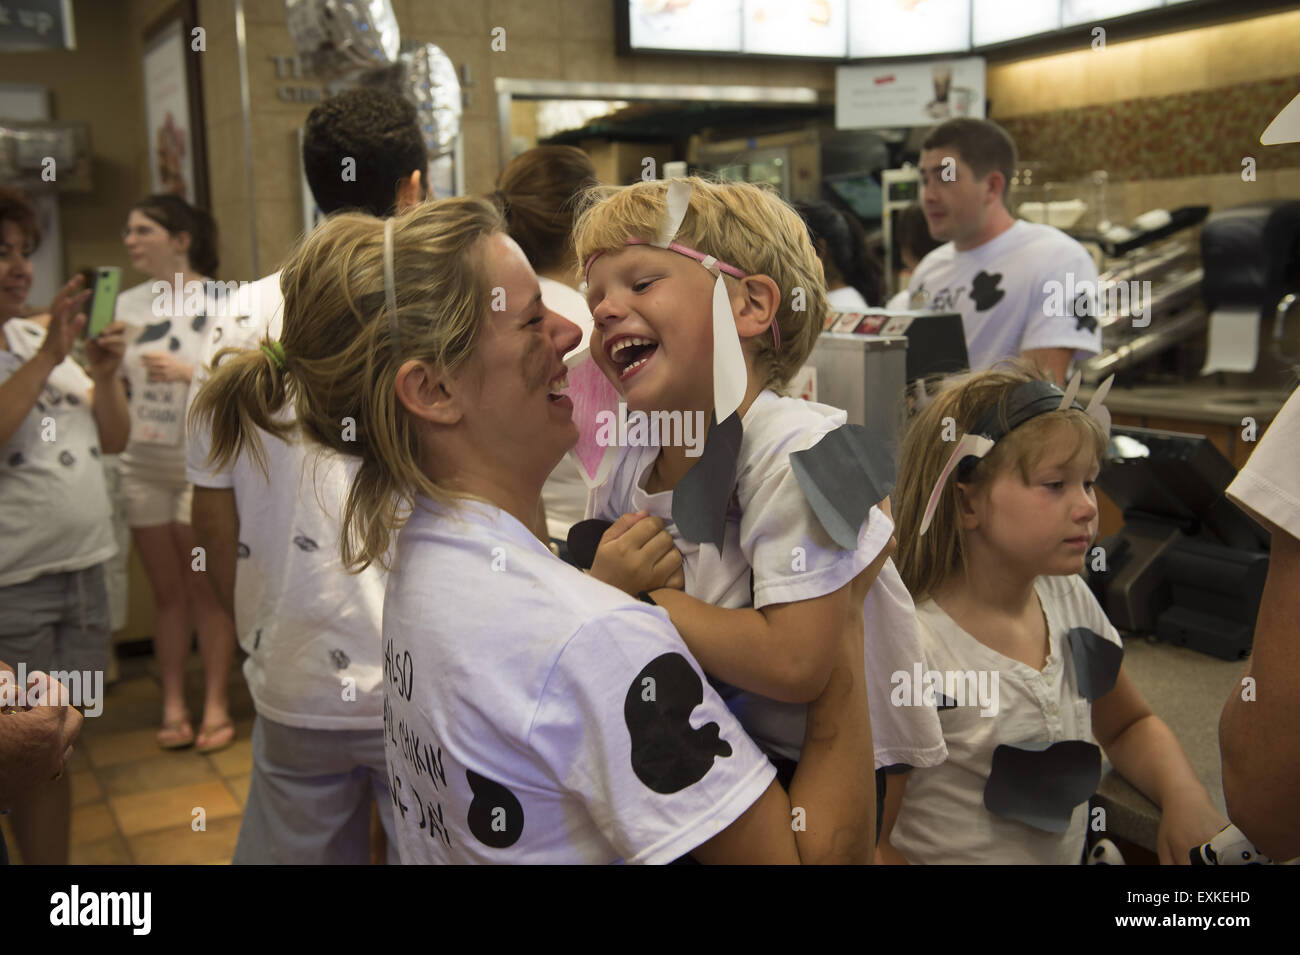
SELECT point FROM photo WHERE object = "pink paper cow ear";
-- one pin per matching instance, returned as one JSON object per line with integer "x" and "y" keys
{"x": 593, "y": 397}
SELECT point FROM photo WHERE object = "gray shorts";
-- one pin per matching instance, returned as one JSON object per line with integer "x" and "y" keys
{"x": 309, "y": 797}
{"x": 57, "y": 622}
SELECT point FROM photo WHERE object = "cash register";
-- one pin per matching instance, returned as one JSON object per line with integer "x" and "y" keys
{"x": 1188, "y": 567}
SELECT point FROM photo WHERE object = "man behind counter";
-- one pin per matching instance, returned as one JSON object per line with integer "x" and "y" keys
{"x": 997, "y": 271}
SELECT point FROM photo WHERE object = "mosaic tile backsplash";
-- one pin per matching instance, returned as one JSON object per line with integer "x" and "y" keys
{"x": 1200, "y": 132}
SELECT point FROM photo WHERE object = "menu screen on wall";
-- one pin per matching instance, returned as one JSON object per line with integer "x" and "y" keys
{"x": 699, "y": 25}
{"x": 908, "y": 27}
{"x": 796, "y": 28}
{"x": 996, "y": 21}
{"x": 1075, "y": 12}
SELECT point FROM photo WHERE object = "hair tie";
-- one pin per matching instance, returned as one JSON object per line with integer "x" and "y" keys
{"x": 390, "y": 292}
{"x": 275, "y": 351}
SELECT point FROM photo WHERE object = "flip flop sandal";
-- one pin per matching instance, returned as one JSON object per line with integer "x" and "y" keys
{"x": 210, "y": 732}
{"x": 176, "y": 734}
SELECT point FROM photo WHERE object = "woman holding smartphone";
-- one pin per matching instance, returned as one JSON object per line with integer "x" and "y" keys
{"x": 173, "y": 315}
{"x": 56, "y": 420}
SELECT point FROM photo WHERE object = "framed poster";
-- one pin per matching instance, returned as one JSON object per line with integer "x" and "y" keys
{"x": 173, "y": 106}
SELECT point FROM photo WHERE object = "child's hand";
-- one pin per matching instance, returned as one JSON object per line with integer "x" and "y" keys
{"x": 1186, "y": 822}
{"x": 637, "y": 554}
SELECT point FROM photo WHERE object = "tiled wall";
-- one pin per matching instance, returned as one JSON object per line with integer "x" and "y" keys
{"x": 1207, "y": 95}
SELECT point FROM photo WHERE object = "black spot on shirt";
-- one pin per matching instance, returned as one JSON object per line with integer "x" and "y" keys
{"x": 495, "y": 816}
{"x": 257, "y": 638}
{"x": 94, "y": 452}
{"x": 668, "y": 754}
{"x": 174, "y": 344}
{"x": 73, "y": 400}
{"x": 199, "y": 322}
{"x": 66, "y": 459}
{"x": 340, "y": 660}
{"x": 16, "y": 459}
{"x": 303, "y": 542}
{"x": 243, "y": 550}
{"x": 154, "y": 332}
{"x": 984, "y": 291}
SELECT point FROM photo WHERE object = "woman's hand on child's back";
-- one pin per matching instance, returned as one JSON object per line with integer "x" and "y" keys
{"x": 636, "y": 554}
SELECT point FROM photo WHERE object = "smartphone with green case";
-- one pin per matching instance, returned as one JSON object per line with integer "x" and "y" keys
{"x": 103, "y": 301}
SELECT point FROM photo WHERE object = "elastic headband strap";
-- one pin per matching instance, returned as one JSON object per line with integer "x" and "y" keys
{"x": 390, "y": 292}
{"x": 708, "y": 261}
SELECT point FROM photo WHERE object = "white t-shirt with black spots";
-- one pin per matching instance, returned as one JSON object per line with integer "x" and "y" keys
{"x": 310, "y": 629}
{"x": 774, "y": 538}
{"x": 943, "y": 818}
{"x": 1005, "y": 294}
{"x": 536, "y": 715}
{"x": 54, "y": 510}
{"x": 157, "y": 441}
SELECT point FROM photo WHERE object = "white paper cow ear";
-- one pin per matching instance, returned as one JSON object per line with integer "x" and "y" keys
{"x": 1285, "y": 127}
{"x": 1098, "y": 411}
{"x": 730, "y": 377}
{"x": 677, "y": 202}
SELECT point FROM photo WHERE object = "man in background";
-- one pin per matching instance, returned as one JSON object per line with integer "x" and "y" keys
{"x": 1000, "y": 273}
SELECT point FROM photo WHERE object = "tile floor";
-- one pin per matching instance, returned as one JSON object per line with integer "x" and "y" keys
{"x": 133, "y": 803}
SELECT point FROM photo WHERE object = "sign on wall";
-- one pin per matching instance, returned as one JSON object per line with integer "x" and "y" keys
{"x": 889, "y": 95}
{"x": 36, "y": 25}
{"x": 173, "y": 111}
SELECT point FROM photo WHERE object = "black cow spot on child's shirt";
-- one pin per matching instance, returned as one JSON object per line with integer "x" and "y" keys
{"x": 495, "y": 816}
{"x": 304, "y": 542}
{"x": 340, "y": 660}
{"x": 199, "y": 322}
{"x": 257, "y": 638}
{"x": 174, "y": 344}
{"x": 154, "y": 332}
{"x": 16, "y": 459}
{"x": 243, "y": 550}
{"x": 66, "y": 459}
{"x": 668, "y": 754}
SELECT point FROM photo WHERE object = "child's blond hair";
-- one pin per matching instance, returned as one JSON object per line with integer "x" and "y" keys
{"x": 340, "y": 363}
{"x": 739, "y": 223}
{"x": 926, "y": 562}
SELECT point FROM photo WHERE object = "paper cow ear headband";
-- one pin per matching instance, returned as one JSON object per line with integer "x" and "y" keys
{"x": 729, "y": 375}
{"x": 1027, "y": 400}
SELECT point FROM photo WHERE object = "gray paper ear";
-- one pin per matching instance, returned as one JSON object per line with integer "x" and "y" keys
{"x": 843, "y": 476}
{"x": 701, "y": 498}
{"x": 1040, "y": 784}
{"x": 1096, "y": 662}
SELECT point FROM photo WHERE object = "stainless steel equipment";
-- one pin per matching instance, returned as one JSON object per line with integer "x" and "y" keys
{"x": 865, "y": 375}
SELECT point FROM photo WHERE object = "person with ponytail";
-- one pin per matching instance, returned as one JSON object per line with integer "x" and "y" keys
{"x": 531, "y": 712}
{"x": 270, "y": 522}
{"x": 169, "y": 318}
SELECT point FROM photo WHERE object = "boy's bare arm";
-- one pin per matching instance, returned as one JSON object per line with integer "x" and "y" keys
{"x": 784, "y": 651}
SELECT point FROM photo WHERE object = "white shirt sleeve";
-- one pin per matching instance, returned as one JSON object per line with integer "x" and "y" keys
{"x": 628, "y": 724}
{"x": 1072, "y": 267}
{"x": 1268, "y": 484}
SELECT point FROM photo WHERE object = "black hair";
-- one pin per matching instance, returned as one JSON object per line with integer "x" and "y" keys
{"x": 15, "y": 207}
{"x": 379, "y": 131}
{"x": 176, "y": 216}
{"x": 846, "y": 246}
{"x": 913, "y": 233}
